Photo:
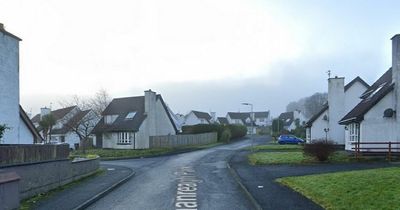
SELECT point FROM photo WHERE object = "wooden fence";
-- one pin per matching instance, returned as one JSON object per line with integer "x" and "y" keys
{"x": 376, "y": 148}
{"x": 182, "y": 140}
{"x": 12, "y": 154}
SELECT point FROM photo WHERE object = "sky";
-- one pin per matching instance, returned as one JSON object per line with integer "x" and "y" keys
{"x": 206, "y": 55}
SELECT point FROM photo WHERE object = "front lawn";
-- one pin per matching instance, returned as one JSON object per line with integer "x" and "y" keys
{"x": 364, "y": 189}
{"x": 110, "y": 154}
{"x": 278, "y": 147}
{"x": 296, "y": 157}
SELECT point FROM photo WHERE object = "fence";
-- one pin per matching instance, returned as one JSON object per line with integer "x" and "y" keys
{"x": 182, "y": 140}
{"x": 376, "y": 148}
{"x": 12, "y": 154}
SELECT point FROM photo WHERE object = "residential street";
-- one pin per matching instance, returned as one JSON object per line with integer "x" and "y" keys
{"x": 155, "y": 185}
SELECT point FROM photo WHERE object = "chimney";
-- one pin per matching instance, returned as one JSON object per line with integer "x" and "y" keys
{"x": 336, "y": 111}
{"x": 44, "y": 111}
{"x": 396, "y": 77}
{"x": 2, "y": 27}
{"x": 150, "y": 111}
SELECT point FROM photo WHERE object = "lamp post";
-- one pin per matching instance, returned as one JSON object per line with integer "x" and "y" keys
{"x": 251, "y": 120}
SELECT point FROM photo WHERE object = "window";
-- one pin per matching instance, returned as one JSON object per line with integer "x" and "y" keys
{"x": 124, "y": 138}
{"x": 261, "y": 119}
{"x": 109, "y": 119}
{"x": 130, "y": 115}
{"x": 354, "y": 130}
{"x": 308, "y": 134}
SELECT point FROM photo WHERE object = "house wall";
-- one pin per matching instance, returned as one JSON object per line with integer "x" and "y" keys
{"x": 110, "y": 141}
{"x": 352, "y": 96}
{"x": 25, "y": 135}
{"x": 191, "y": 119}
{"x": 9, "y": 87}
{"x": 318, "y": 126}
{"x": 375, "y": 127}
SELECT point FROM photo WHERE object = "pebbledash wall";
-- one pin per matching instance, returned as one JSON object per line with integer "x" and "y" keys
{"x": 46, "y": 174}
{"x": 182, "y": 140}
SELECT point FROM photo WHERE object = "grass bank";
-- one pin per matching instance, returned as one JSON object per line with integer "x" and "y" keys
{"x": 112, "y": 154}
{"x": 364, "y": 189}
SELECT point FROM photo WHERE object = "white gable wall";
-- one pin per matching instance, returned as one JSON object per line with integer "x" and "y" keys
{"x": 192, "y": 119}
{"x": 318, "y": 126}
{"x": 9, "y": 88}
{"x": 25, "y": 135}
{"x": 352, "y": 96}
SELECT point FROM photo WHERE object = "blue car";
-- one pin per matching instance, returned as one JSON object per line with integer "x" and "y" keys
{"x": 289, "y": 139}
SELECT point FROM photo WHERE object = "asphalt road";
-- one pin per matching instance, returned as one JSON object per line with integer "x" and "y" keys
{"x": 194, "y": 180}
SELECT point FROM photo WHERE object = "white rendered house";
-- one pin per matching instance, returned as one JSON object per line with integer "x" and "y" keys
{"x": 21, "y": 129}
{"x": 377, "y": 117}
{"x": 341, "y": 99}
{"x": 197, "y": 117}
{"x": 128, "y": 123}
{"x": 289, "y": 119}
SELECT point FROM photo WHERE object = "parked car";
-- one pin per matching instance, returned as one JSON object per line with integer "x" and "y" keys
{"x": 290, "y": 139}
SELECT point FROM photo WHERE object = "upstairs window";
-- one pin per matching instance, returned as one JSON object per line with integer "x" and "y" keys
{"x": 109, "y": 119}
{"x": 130, "y": 115}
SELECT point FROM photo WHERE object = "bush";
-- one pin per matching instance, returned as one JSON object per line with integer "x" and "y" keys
{"x": 237, "y": 131}
{"x": 319, "y": 149}
{"x": 226, "y": 135}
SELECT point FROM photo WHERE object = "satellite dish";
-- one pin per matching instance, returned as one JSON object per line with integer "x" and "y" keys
{"x": 388, "y": 113}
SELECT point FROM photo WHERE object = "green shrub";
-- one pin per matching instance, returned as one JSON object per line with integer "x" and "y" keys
{"x": 319, "y": 149}
{"x": 237, "y": 131}
{"x": 226, "y": 135}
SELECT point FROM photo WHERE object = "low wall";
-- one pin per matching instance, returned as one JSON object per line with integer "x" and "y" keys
{"x": 11, "y": 154}
{"x": 182, "y": 140}
{"x": 44, "y": 176}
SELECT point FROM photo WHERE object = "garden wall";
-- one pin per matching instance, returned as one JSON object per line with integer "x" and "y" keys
{"x": 169, "y": 141}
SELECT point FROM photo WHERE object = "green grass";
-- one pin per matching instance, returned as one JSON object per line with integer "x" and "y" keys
{"x": 278, "y": 147}
{"x": 110, "y": 154}
{"x": 365, "y": 189}
{"x": 292, "y": 157}
{"x": 29, "y": 203}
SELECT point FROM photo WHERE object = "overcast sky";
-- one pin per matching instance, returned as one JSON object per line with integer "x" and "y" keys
{"x": 205, "y": 55}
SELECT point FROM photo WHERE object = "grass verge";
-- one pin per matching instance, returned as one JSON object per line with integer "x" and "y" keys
{"x": 294, "y": 157}
{"x": 111, "y": 154}
{"x": 364, "y": 189}
{"x": 29, "y": 203}
{"x": 277, "y": 147}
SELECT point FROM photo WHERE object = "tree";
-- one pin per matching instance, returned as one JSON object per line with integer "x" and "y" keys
{"x": 309, "y": 105}
{"x": 82, "y": 125}
{"x": 3, "y": 128}
{"x": 47, "y": 122}
{"x": 277, "y": 127}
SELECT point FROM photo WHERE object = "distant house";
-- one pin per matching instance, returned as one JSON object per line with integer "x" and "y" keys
{"x": 242, "y": 118}
{"x": 341, "y": 99}
{"x": 127, "y": 123}
{"x": 70, "y": 122}
{"x": 377, "y": 116}
{"x": 290, "y": 119}
{"x": 20, "y": 128}
{"x": 262, "y": 118}
{"x": 222, "y": 121}
{"x": 197, "y": 117}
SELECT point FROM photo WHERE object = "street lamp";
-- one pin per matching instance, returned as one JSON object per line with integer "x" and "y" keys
{"x": 251, "y": 120}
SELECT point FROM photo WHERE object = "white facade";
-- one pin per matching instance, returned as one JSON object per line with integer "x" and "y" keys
{"x": 192, "y": 119}
{"x": 18, "y": 132}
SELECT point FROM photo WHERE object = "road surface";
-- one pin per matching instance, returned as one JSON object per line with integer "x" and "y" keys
{"x": 194, "y": 180}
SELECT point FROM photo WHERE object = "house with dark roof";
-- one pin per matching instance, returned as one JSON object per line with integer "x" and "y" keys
{"x": 341, "y": 99}
{"x": 128, "y": 123}
{"x": 289, "y": 119}
{"x": 20, "y": 129}
{"x": 222, "y": 121}
{"x": 377, "y": 117}
{"x": 71, "y": 125}
{"x": 197, "y": 117}
{"x": 243, "y": 118}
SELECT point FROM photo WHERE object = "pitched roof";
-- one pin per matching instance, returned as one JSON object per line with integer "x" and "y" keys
{"x": 36, "y": 136}
{"x": 261, "y": 114}
{"x": 370, "y": 98}
{"x": 315, "y": 117}
{"x": 202, "y": 115}
{"x": 71, "y": 122}
{"x": 241, "y": 116}
{"x": 287, "y": 118}
{"x": 57, "y": 114}
{"x": 122, "y": 107}
{"x": 357, "y": 79}
{"x": 8, "y": 33}
{"x": 223, "y": 120}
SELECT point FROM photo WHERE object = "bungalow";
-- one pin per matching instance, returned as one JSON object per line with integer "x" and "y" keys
{"x": 242, "y": 118}
{"x": 20, "y": 129}
{"x": 341, "y": 99}
{"x": 289, "y": 119}
{"x": 377, "y": 116}
{"x": 222, "y": 121}
{"x": 71, "y": 125}
{"x": 196, "y": 117}
{"x": 262, "y": 119}
{"x": 128, "y": 123}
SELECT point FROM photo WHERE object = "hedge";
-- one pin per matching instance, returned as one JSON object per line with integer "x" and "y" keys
{"x": 224, "y": 132}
